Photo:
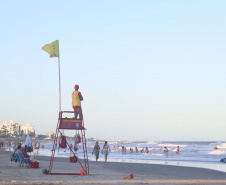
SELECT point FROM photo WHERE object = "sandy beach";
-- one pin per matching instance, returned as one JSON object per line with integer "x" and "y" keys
{"x": 106, "y": 173}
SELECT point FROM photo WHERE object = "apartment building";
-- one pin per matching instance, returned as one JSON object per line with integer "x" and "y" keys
{"x": 27, "y": 129}
{"x": 10, "y": 127}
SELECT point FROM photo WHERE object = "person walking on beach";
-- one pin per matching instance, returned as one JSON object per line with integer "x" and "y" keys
{"x": 166, "y": 151}
{"x": 106, "y": 149}
{"x": 70, "y": 148}
{"x": 146, "y": 150}
{"x": 75, "y": 147}
{"x": 136, "y": 150}
{"x": 96, "y": 150}
{"x": 178, "y": 150}
{"x": 37, "y": 146}
{"x": 76, "y": 102}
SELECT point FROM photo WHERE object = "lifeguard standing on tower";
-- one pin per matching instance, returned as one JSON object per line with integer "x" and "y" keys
{"x": 76, "y": 102}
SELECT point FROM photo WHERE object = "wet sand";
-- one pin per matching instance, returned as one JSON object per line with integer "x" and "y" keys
{"x": 106, "y": 173}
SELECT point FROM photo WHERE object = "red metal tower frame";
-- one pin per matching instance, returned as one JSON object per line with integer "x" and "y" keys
{"x": 70, "y": 124}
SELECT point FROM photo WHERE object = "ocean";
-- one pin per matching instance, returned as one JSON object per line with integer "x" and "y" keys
{"x": 192, "y": 154}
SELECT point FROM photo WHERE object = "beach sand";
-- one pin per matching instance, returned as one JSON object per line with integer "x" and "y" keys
{"x": 106, "y": 173}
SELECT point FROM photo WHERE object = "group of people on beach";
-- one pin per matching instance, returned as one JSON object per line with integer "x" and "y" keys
{"x": 105, "y": 150}
{"x": 7, "y": 144}
{"x": 146, "y": 150}
{"x": 166, "y": 151}
{"x": 20, "y": 156}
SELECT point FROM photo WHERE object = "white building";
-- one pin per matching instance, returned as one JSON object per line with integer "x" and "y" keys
{"x": 27, "y": 129}
{"x": 12, "y": 128}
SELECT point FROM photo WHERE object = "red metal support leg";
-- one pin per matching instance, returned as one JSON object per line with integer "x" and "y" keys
{"x": 85, "y": 150}
{"x": 86, "y": 169}
{"x": 54, "y": 144}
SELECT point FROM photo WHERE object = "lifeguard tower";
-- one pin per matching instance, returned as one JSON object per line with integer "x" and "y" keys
{"x": 65, "y": 123}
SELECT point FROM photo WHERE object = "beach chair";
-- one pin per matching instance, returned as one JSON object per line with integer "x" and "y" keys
{"x": 19, "y": 160}
{"x": 25, "y": 160}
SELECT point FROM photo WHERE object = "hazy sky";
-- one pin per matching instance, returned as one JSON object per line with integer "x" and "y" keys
{"x": 148, "y": 70}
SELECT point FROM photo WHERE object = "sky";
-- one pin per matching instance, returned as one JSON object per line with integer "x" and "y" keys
{"x": 148, "y": 70}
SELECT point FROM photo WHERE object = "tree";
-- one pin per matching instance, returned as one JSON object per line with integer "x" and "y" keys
{"x": 32, "y": 134}
{"x": 4, "y": 131}
{"x": 14, "y": 133}
{"x": 41, "y": 136}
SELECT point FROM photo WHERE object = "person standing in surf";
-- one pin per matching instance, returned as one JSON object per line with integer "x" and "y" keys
{"x": 178, "y": 150}
{"x": 106, "y": 149}
{"x": 166, "y": 151}
{"x": 76, "y": 102}
{"x": 96, "y": 150}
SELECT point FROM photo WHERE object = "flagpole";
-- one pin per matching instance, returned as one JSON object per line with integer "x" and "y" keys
{"x": 59, "y": 85}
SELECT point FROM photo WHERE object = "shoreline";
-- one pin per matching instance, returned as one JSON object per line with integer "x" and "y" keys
{"x": 211, "y": 166}
{"x": 106, "y": 173}
{"x": 216, "y": 167}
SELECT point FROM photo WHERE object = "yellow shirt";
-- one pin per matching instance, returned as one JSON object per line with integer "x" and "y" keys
{"x": 75, "y": 99}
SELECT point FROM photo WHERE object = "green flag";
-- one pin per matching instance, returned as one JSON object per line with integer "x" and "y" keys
{"x": 52, "y": 48}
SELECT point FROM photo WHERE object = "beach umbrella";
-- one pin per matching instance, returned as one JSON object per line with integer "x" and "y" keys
{"x": 28, "y": 142}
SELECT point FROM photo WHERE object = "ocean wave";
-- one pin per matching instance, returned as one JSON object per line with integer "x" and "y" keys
{"x": 171, "y": 145}
{"x": 217, "y": 152}
{"x": 151, "y": 142}
{"x": 222, "y": 146}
